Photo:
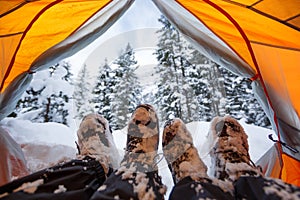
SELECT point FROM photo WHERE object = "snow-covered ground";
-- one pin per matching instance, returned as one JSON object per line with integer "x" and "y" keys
{"x": 45, "y": 144}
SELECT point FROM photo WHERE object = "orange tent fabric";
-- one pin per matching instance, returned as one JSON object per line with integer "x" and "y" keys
{"x": 290, "y": 171}
{"x": 263, "y": 38}
{"x": 257, "y": 39}
{"x": 37, "y": 34}
{"x": 45, "y": 23}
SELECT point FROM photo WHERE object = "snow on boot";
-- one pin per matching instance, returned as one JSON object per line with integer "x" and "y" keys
{"x": 142, "y": 140}
{"x": 230, "y": 150}
{"x": 139, "y": 165}
{"x": 95, "y": 140}
{"x": 180, "y": 152}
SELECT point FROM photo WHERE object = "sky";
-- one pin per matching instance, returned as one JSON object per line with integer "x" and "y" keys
{"x": 140, "y": 17}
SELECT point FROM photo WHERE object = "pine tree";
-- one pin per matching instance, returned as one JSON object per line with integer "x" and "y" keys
{"x": 55, "y": 98}
{"x": 29, "y": 101}
{"x": 48, "y": 97}
{"x": 241, "y": 102}
{"x": 256, "y": 115}
{"x": 68, "y": 76}
{"x": 208, "y": 84}
{"x": 198, "y": 82}
{"x": 82, "y": 94}
{"x": 197, "y": 79}
{"x": 175, "y": 97}
{"x": 127, "y": 90}
{"x": 216, "y": 89}
{"x": 185, "y": 74}
{"x": 103, "y": 91}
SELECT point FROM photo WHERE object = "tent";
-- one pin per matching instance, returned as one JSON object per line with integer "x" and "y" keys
{"x": 257, "y": 39}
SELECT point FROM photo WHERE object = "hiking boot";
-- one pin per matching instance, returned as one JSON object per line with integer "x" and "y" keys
{"x": 230, "y": 150}
{"x": 142, "y": 140}
{"x": 95, "y": 140}
{"x": 139, "y": 165}
{"x": 182, "y": 156}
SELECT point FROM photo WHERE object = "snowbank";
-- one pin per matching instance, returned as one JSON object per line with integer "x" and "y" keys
{"x": 24, "y": 131}
{"x": 45, "y": 144}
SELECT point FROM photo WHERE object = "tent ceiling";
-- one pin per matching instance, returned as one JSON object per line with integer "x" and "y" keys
{"x": 288, "y": 14}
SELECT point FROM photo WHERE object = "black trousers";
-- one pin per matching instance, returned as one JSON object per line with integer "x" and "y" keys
{"x": 81, "y": 179}
{"x": 246, "y": 187}
{"x": 77, "y": 179}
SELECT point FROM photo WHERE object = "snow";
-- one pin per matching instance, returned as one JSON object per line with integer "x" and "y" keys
{"x": 59, "y": 142}
{"x": 25, "y": 131}
{"x": 44, "y": 144}
{"x": 30, "y": 187}
{"x": 61, "y": 188}
{"x": 48, "y": 154}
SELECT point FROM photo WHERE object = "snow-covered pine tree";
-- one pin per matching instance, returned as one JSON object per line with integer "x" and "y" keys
{"x": 57, "y": 95}
{"x": 197, "y": 79}
{"x": 48, "y": 96}
{"x": 216, "y": 89}
{"x": 82, "y": 94}
{"x": 199, "y": 84}
{"x": 103, "y": 91}
{"x": 175, "y": 97}
{"x": 201, "y": 93}
{"x": 241, "y": 102}
{"x": 207, "y": 83}
{"x": 69, "y": 75}
{"x": 181, "y": 65}
{"x": 29, "y": 101}
{"x": 127, "y": 90}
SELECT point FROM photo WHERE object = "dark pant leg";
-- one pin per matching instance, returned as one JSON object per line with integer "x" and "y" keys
{"x": 77, "y": 179}
{"x": 250, "y": 187}
{"x": 190, "y": 189}
{"x": 131, "y": 185}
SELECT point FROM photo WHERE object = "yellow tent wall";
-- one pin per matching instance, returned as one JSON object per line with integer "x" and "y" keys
{"x": 39, "y": 24}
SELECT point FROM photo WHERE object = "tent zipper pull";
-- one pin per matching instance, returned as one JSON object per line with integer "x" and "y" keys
{"x": 284, "y": 144}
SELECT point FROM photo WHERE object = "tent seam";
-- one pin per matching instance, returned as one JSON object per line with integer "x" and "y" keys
{"x": 11, "y": 34}
{"x": 213, "y": 32}
{"x": 14, "y": 8}
{"x": 275, "y": 46}
{"x": 285, "y": 22}
{"x": 247, "y": 41}
{"x": 23, "y": 36}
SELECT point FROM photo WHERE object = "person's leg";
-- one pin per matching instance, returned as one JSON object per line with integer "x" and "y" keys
{"x": 137, "y": 178}
{"x": 180, "y": 153}
{"x": 76, "y": 179}
{"x": 230, "y": 150}
{"x": 231, "y": 159}
{"x": 95, "y": 140}
{"x": 188, "y": 170}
